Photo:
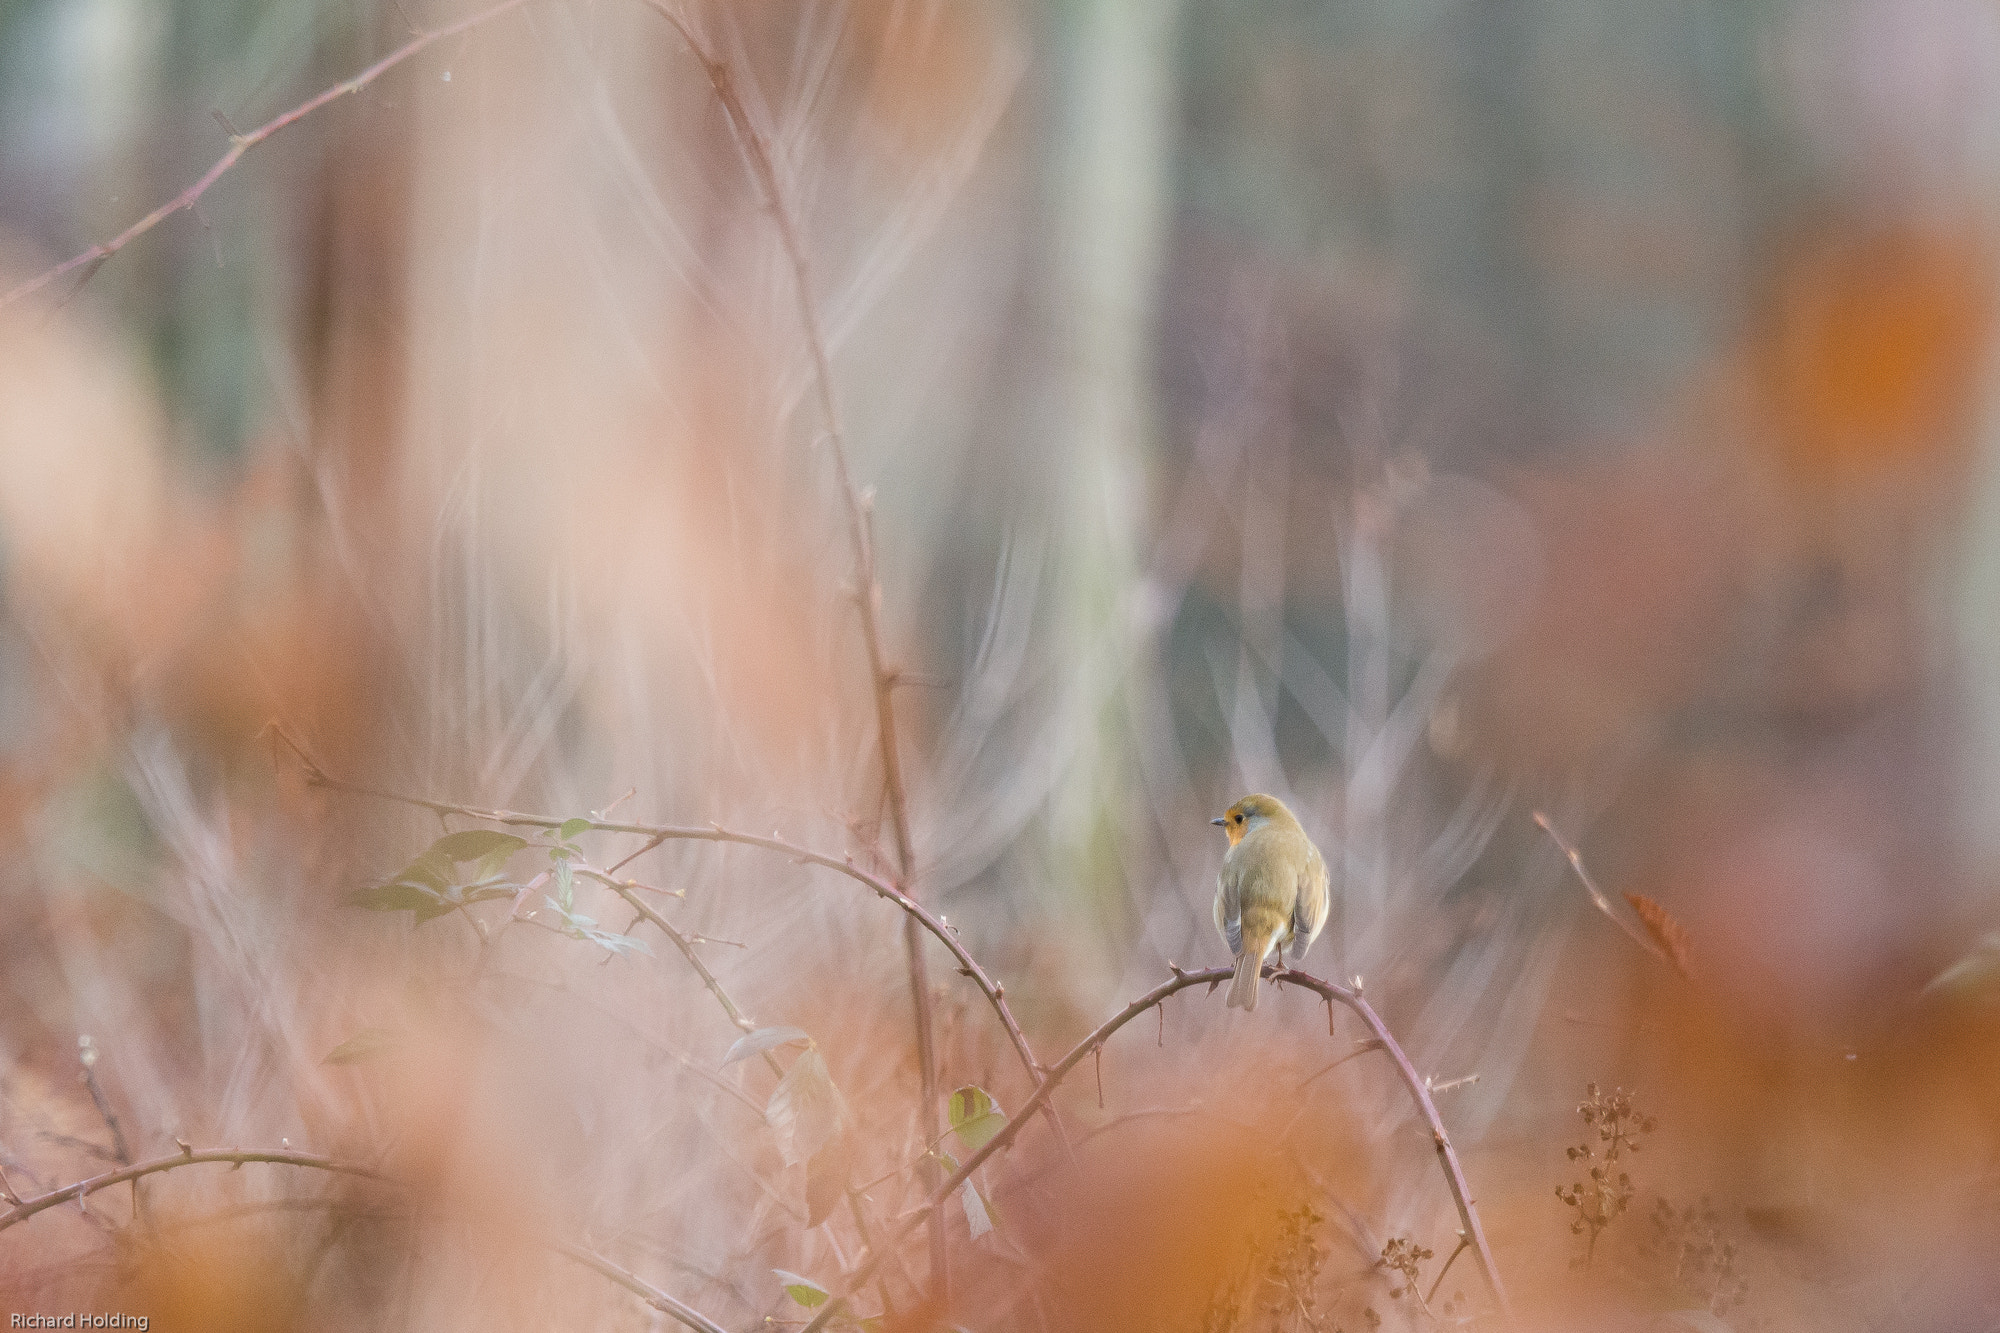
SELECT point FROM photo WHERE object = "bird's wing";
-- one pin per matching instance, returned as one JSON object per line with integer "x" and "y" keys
{"x": 1229, "y": 903}
{"x": 1310, "y": 912}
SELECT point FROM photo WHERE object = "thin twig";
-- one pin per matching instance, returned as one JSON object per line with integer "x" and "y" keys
{"x": 681, "y": 942}
{"x": 1360, "y": 1048}
{"x": 1639, "y": 937}
{"x": 242, "y": 143}
{"x": 645, "y": 1291}
{"x": 89, "y": 1061}
{"x": 607, "y": 878}
{"x": 123, "y": 1155}
{"x": 1214, "y": 976}
{"x": 1463, "y": 1246}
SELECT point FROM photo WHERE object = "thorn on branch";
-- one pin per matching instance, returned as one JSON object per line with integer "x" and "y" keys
{"x": 227, "y": 128}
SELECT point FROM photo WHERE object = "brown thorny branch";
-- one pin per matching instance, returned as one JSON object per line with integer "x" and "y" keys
{"x": 24, "y": 1209}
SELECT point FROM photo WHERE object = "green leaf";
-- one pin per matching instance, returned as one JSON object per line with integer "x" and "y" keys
{"x": 428, "y": 871}
{"x": 363, "y": 1045}
{"x": 473, "y": 844}
{"x": 395, "y": 897}
{"x": 806, "y": 1108}
{"x": 803, "y": 1290}
{"x": 975, "y": 1116}
{"x": 565, "y": 886}
{"x": 433, "y": 912}
{"x": 571, "y": 828}
{"x": 491, "y": 864}
{"x": 763, "y": 1039}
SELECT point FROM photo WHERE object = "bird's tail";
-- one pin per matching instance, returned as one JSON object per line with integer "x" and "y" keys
{"x": 1249, "y": 967}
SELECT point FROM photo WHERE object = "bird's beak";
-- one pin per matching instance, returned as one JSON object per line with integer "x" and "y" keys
{"x": 1218, "y": 822}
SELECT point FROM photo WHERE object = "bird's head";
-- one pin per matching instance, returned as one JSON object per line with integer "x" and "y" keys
{"x": 1252, "y": 813}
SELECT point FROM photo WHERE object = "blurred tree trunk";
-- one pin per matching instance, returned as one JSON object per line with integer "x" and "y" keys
{"x": 1110, "y": 136}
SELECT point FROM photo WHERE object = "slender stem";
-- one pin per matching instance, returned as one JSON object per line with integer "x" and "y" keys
{"x": 645, "y": 1291}
{"x": 243, "y": 143}
{"x": 1452, "y": 1258}
{"x": 104, "y": 1111}
{"x": 644, "y": 909}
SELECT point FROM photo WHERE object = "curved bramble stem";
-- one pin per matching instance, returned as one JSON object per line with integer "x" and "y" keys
{"x": 1454, "y": 1173}
{"x": 27, "y": 1208}
{"x": 1461, "y": 1194}
{"x": 681, "y": 942}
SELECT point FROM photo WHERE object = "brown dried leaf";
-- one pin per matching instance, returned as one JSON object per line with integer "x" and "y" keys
{"x": 1664, "y": 930}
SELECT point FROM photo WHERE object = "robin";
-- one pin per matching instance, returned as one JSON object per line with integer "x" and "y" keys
{"x": 1272, "y": 890}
